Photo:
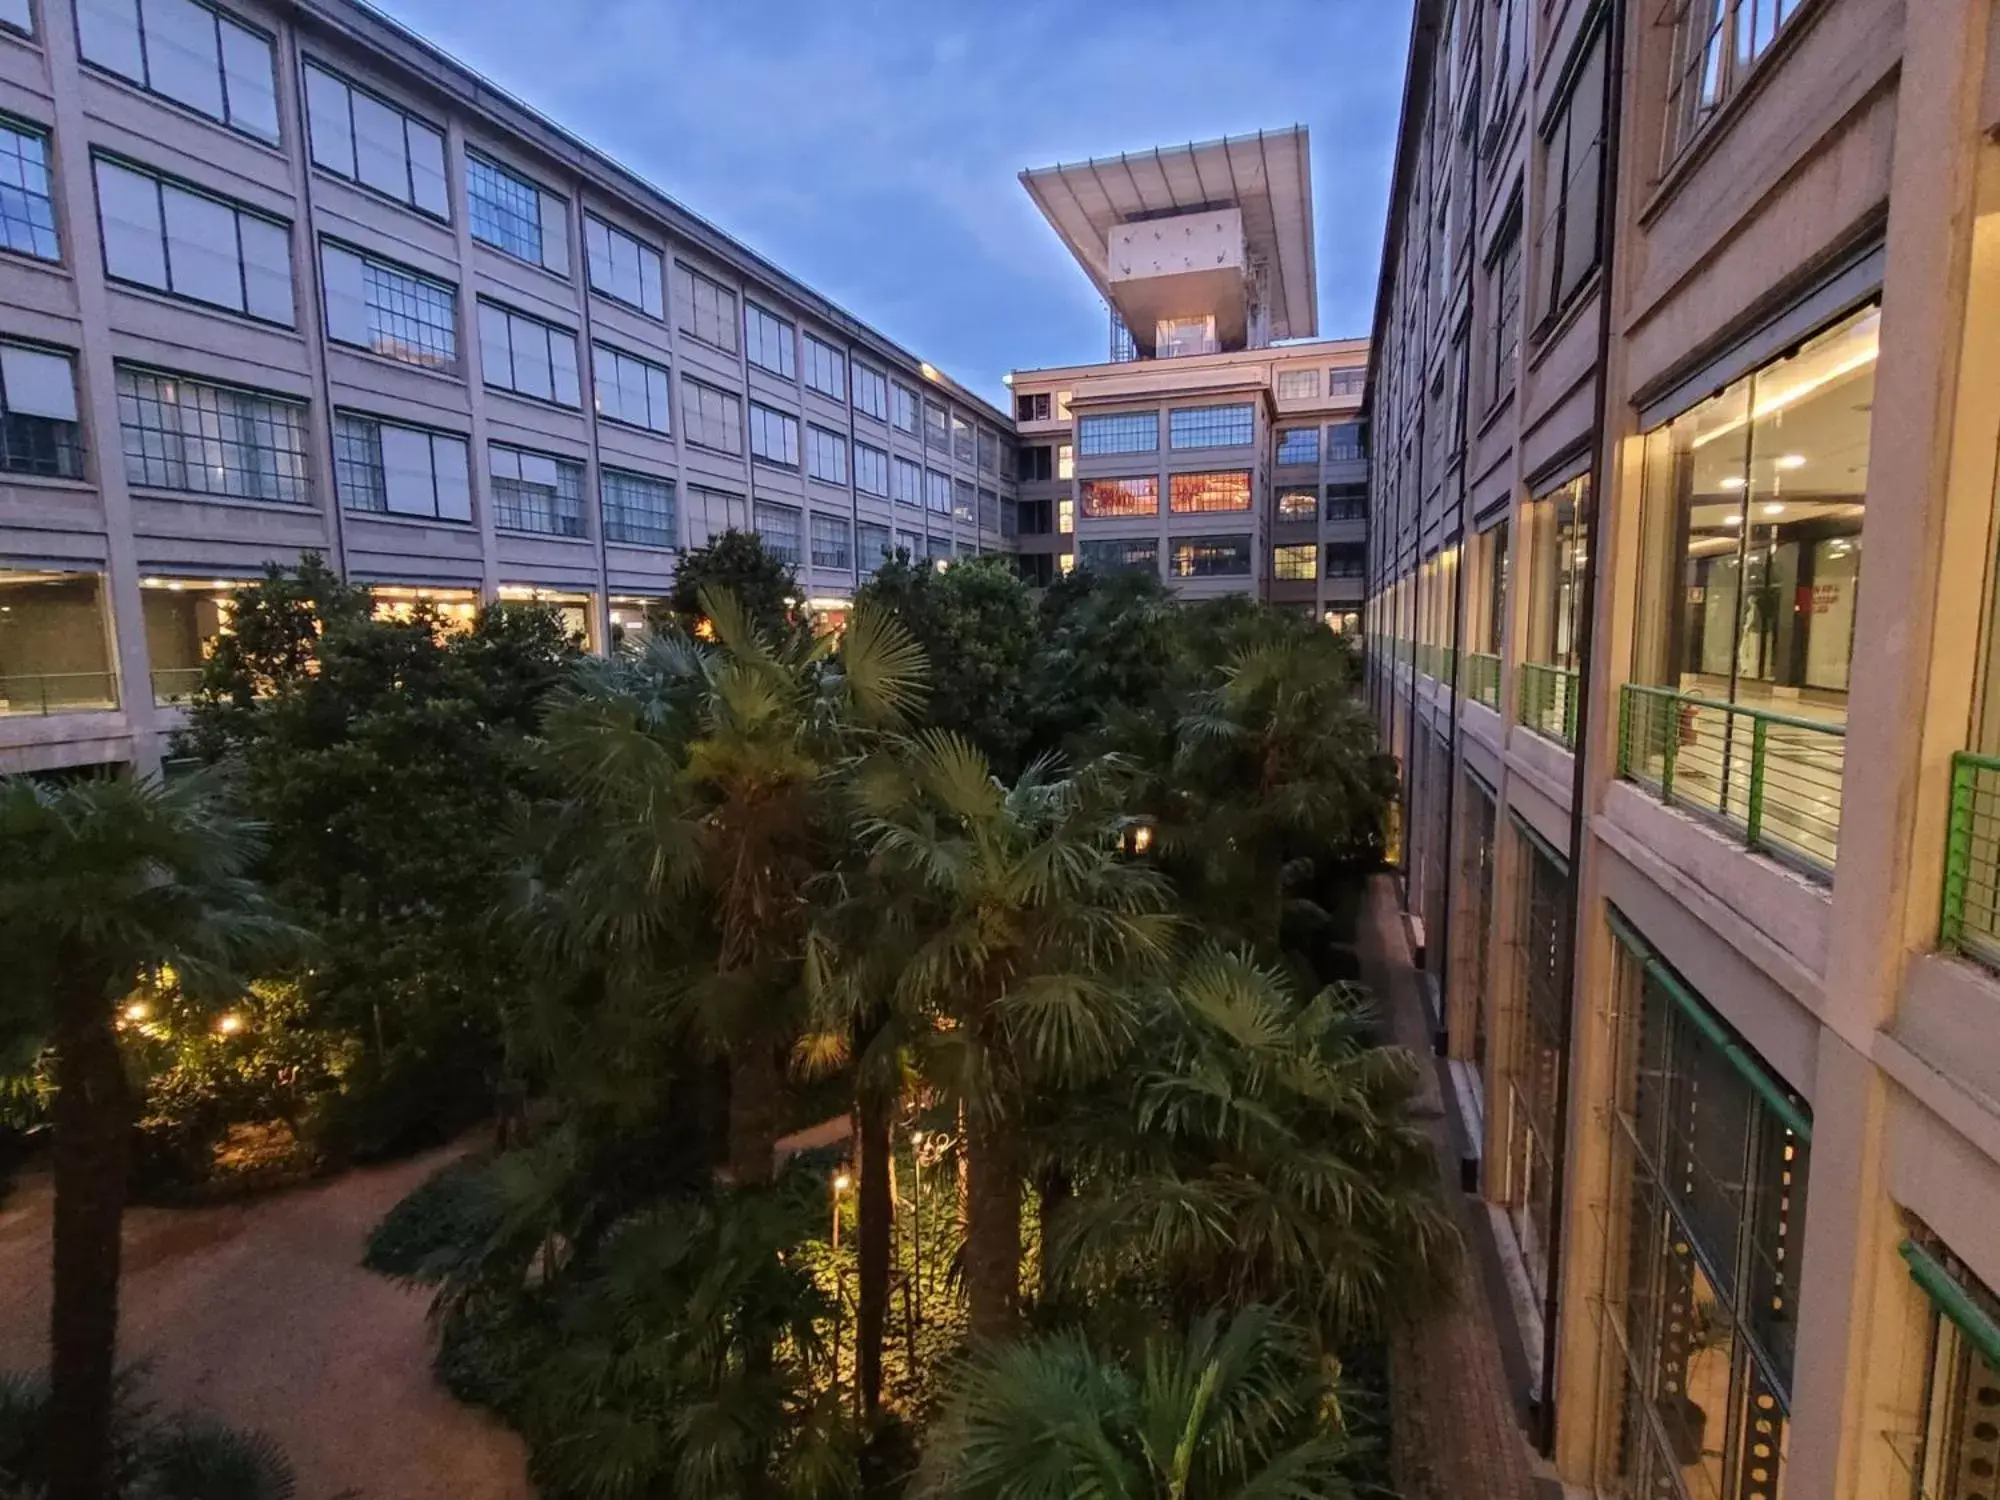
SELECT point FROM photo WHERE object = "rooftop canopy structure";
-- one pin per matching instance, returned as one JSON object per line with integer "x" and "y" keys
{"x": 1198, "y": 248}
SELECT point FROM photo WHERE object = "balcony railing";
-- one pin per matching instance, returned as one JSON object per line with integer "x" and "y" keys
{"x": 1772, "y": 778}
{"x": 175, "y": 685}
{"x": 1548, "y": 701}
{"x": 43, "y": 693}
{"x": 1479, "y": 679}
{"x": 1971, "y": 919}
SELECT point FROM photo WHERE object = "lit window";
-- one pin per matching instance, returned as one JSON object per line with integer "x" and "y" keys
{"x": 1295, "y": 561}
{"x": 1139, "y": 496}
{"x": 1211, "y": 556}
{"x": 1191, "y": 494}
{"x": 1296, "y": 504}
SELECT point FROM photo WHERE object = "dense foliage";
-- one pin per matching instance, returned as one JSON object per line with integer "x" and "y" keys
{"x": 1017, "y": 908}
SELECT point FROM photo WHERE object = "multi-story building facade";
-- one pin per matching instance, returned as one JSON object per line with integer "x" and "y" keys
{"x": 1699, "y": 821}
{"x": 1220, "y": 446}
{"x": 279, "y": 277}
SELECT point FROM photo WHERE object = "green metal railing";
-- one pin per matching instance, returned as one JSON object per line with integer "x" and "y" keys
{"x": 1774, "y": 778}
{"x": 1480, "y": 680}
{"x": 175, "y": 685}
{"x": 1970, "y": 923}
{"x": 43, "y": 693}
{"x": 1548, "y": 701}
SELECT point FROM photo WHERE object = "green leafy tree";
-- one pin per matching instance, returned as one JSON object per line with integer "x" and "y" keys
{"x": 1019, "y": 919}
{"x": 1110, "y": 647}
{"x": 389, "y": 759}
{"x": 1253, "y": 1148}
{"x": 739, "y": 564}
{"x": 1234, "y": 1408}
{"x": 976, "y": 624}
{"x": 106, "y": 887}
{"x": 704, "y": 774}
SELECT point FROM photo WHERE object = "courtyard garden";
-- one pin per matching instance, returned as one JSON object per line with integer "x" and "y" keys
{"x": 918, "y": 1058}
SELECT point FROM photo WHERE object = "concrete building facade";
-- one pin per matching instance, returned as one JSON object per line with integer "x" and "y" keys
{"x": 280, "y": 277}
{"x": 1687, "y": 323}
{"x": 1220, "y": 445}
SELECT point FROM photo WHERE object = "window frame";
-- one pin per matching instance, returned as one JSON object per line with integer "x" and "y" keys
{"x": 1092, "y": 422}
{"x": 817, "y": 345}
{"x": 310, "y": 65}
{"x": 145, "y": 84}
{"x": 614, "y": 534}
{"x": 550, "y": 333}
{"x": 649, "y": 367}
{"x": 564, "y": 465}
{"x": 814, "y": 445}
{"x": 787, "y": 367}
{"x": 299, "y": 425}
{"x": 755, "y": 409}
{"x": 162, "y": 181}
{"x": 472, "y": 155}
{"x": 1558, "y": 285}
{"x": 695, "y": 388}
{"x": 1207, "y": 476}
{"x": 1136, "y": 491}
{"x": 30, "y": 130}
{"x": 697, "y": 282}
{"x": 63, "y": 445}
{"x": 437, "y": 515}
{"x": 1193, "y": 428}
{"x": 453, "y": 367}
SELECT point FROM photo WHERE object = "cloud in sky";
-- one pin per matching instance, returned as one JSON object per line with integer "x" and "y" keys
{"x": 871, "y": 147}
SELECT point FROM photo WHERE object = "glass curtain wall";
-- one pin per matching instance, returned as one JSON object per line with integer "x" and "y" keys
{"x": 1537, "y": 1060}
{"x": 1750, "y": 574}
{"x": 1703, "y": 1254}
{"x": 1557, "y": 559}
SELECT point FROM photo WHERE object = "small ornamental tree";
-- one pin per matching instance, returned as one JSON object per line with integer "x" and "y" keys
{"x": 737, "y": 563}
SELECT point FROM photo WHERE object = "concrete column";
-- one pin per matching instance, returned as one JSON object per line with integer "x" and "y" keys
{"x": 98, "y": 382}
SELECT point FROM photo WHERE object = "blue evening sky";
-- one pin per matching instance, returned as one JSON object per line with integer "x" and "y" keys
{"x": 871, "y": 147}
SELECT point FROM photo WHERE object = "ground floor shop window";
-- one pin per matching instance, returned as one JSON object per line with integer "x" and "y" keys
{"x": 1707, "y": 1211}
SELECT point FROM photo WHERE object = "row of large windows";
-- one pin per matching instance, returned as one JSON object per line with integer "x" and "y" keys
{"x": 172, "y": 237}
{"x": 1187, "y": 494}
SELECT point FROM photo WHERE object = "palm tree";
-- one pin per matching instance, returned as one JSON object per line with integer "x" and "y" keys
{"x": 106, "y": 886}
{"x": 1022, "y": 921}
{"x": 702, "y": 777}
{"x": 1255, "y": 1148}
{"x": 1274, "y": 769}
{"x": 1235, "y": 1411}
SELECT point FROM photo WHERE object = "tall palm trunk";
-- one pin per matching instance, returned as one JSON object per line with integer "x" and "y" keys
{"x": 754, "y": 1085}
{"x": 93, "y": 1110}
{"x": 992, "y": 1226}
{"x": 876, "y": 1224}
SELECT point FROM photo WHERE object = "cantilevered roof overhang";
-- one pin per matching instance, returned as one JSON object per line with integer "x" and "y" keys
{"x": 1267, "y": 177}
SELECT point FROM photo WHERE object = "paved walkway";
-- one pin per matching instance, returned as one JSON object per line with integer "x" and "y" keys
{"x": 260, "y": 1314}
{"x": 1455, "y": 1434}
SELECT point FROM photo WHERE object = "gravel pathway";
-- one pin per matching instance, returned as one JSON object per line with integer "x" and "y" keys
{"x": 260, "y": 1314}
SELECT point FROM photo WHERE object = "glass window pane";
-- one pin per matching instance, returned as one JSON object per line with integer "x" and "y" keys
{"x": 246, "y": 66}
{"x": 267, "y": 269}
{"x": 408, "y": 485}
{"x": 451, "y": 465}
{"x": 38, "y": 384}
{"x": 330, "y": 123}
{"x": 107, "y": 34}
{"x": 380, "y": 152}
{"x": 201, "y": 248}
{"x": 134, "y": 246}
{"x": 427, "y": 179}
{"x": 182, "y": 60}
